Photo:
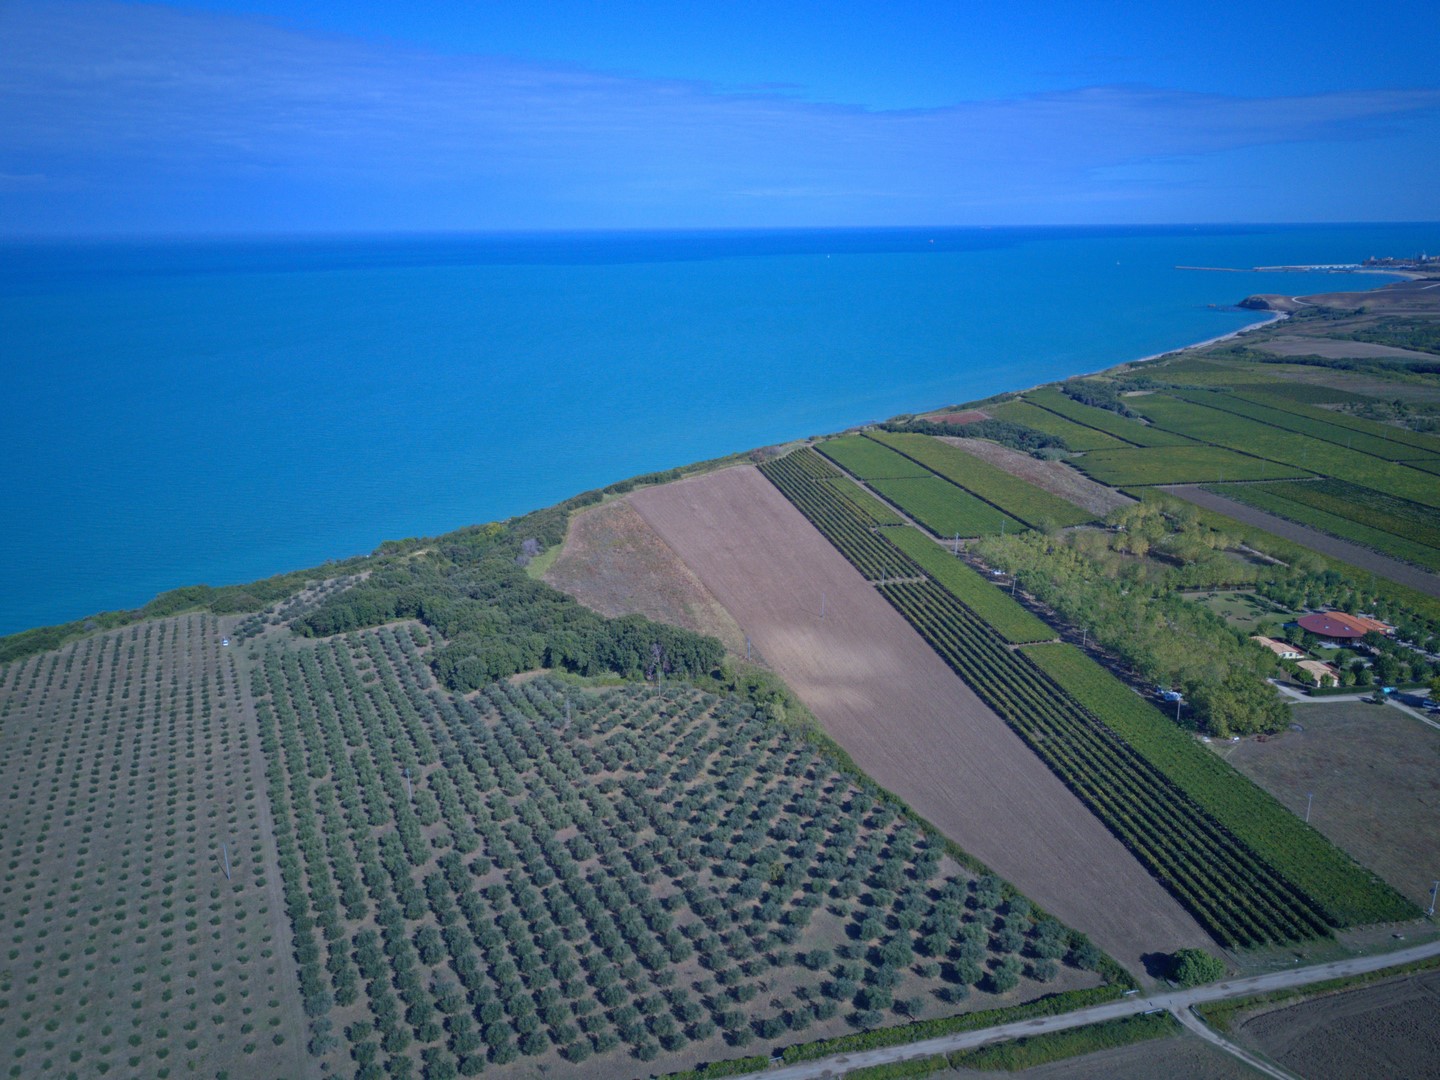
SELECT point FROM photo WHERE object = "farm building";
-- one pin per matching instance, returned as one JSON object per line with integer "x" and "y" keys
{"x": 1339, "y": 626}
{"x": 1320, "y": 673}
{"x": 1282, "y": 649}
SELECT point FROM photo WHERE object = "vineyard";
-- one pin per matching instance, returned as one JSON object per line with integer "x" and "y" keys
{"x": 1349, "y": 894}
{"x": 145, "y": 937}
{"x": 1130, "y": 431}
{"x": 1287, "y": 448}
{"x": 1365, "y": 442}
{"x": 1367, "y": 507}
{"x": 804, "y": 478}
{"x": 1293, "y": 502}
{"x": 1076, "y": 436}
{"x": 869, "y": 460}
{"x": 539, "y": 876}
{"x": 1190, "y": 464}
{"x": 1233, "y": 893}
{"x": 943, "y": 508}
{"x": 1004, "y": 615}
{"x": 1285, "y": 397}
{"x": 1018, "y": 498}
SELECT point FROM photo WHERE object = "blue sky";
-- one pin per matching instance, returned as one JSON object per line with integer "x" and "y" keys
{"x": 282, "y": 116}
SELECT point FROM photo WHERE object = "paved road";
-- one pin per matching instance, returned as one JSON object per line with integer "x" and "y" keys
{"x": 1176, "y": 1001}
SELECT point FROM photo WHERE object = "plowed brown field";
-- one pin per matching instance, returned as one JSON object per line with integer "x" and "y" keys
{"x": 903, "y": 715}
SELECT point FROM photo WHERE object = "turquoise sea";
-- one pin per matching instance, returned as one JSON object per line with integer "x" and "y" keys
{"x": 217, "y": 411}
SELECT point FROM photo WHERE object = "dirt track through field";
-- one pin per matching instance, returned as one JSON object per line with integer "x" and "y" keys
{"x": 1354, "y": 554}
{"x": 903, "y": 715}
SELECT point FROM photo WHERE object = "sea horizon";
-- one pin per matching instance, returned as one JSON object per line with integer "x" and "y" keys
{"x": 219, "y": 409}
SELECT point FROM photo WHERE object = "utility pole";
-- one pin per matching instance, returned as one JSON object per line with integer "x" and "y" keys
{"x": 1013, "y": 579}
{"x": 1178, "y": 703}
{"x": 409, "y": 788}
{"x": 747, "y": 648}
{"x": 1309, "y": 798}
{"x": 955, "y": 549}
{"x": 822, "y": 605}
{"x": 1433, "y": 890}
{"x": 225, "y": 851}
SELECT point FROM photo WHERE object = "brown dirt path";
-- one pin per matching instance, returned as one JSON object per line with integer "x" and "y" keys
{"x": 903, "y": 715}
{"x": 1344, "y": 550}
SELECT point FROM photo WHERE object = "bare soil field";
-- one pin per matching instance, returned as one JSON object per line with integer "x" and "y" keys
{"x": 1382, "y": 1031}
{"x": 614, "y": 563}
{"x": 903, "y": 715}
{"x": 1324, "y": 543}
{"x": 1375, "y": 774}
{"x": 1053, "y": 476}
{"x": 1184, "y": 1055}
{"x": 127, "y": 760}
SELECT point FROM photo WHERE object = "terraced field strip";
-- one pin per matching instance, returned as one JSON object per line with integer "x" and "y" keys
{"x": 1076, "y": 436}
{"x": 1302, "y": 406}
{"x": 1005, "y": 616}
{"x": 1018, "y": 498}
{"x": 1239, "y": 898}
{"x": 1197, "y": 464}
{"x": 801, "y": 478}
{"x": 869, "y": 507}
{"x": 869, "y": 460}
{"x": 1112, "y": 423}
{"x": 945, "y": 509}
{"x": 1362, "y": 441}
{"x": 1346, "y": 891}
{"x": 1289, "y": 448}
{"x": 1288, "y": 503}
{"x": 1298, "y": 397}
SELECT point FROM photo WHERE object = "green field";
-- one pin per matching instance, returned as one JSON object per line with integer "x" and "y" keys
{"x": 1304, "y": 406}
{"x": 943, "y": 508}
{"x": 1347, "y": 892}
{"x": 1016, "y": 497}
{"x": 869, "y": 506}
{"x": 869, "y": 460}
{"x": 1298, "y": 397}
{"x": 1130, "y": 431}
{"x": 1352, "y": 439}
{"x": 1009, "y": 619}
{"x": 1076, "y": 436}
{"x": 1189, "y": 464}
{"x": 1282, "y": 500}
{"x": 1289, "y": 448}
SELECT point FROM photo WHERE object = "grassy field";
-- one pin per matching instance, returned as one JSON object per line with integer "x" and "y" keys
{"x": 541, "y": 876}
{"x": 127, "y": 759}
{"x": 1347, "y": 892}
{"x": 1304, "y": 405}
{"x": 1289, "y": 448}
{"x": 1016, "y": 497}
{"x": 1076, "y": 436}
{"x": 945, "y": 509}
{"x": 1271, "y": 498}
{"x": 1190, "y": 464}
{"x": 1121, "y": 427}
{"x": 1242, "y": 610}
{"x": 1009, "y": 619}
{"x": 869, "y": 460}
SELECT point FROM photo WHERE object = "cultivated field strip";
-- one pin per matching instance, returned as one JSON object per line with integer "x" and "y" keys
{"x": 1272, "y": 396}
{"x": 1364, "y": 442}
{"x": 1112, "y": 423}
{"x": 1290, "y": 501}
{"x": 1350, "y": 893}
{"x": 147, "y": 937}
{"x": 538, "y": 876}
{"x": 1189, "y": 464}
{"x": 869, "y": 460}
{"x": 1018, "y": 498}
{"x": 1238, "y": 897}
{"x": 1288, "y": 448}
{"x": 837, "y": 518}
{"x": 944, "y": 508}
{"x": 1076, "y": 436}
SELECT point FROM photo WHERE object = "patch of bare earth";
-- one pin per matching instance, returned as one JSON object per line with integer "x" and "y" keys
{"x": 614, "y": 563}
{"x": 902, "y": 714}
{"x": 1333, "y": 546}
{"x": 1382, "y": 1031}
{"x": 1186, "y": 1056}
{"x": 1053, "y": 476}
{"x": 1375, "y": 775}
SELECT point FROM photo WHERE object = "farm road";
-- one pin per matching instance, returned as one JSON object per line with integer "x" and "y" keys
{"x": 1333, "y": 546}
{"x": 1177, "y": 1001}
